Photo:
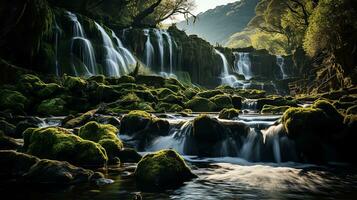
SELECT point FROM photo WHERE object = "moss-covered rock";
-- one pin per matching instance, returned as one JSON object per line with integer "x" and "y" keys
{"x": 13, "y": 101}
{"x": 209, "y": 93}
{"x": 237, "y": 102}
{"x": 79, "y": 120}
{"x": 128, "y": 155}
{"x": 105, "y": 135}
{"x": 222, "y": 101}
{"x": 189, "y": 93}
{"x": 74, "y": 84}
{"x": 174, "y": 99}
{"x": 276, "y": 101}
{"x": 49, "y": 90}
{"x": 142, "y": 122}
{"x": 98, "y": 78}
{"x": 60, "y": 144}
{"x": 269, "y": 109}
{"x": 29, "y": 83}
{"x": 161, "y": 170}
{"x": 105, "y": 93}
{"x": 167, "y": 107}
{"x": 229, "y": 113}
{"x": 125, "y": 79}
{"x": 207, "y": 129}
{"x": 56, "y": 107}
{"x": 151, "y": 80}
{"x": 199, "y": 104}
{"x": 330, "y": 110}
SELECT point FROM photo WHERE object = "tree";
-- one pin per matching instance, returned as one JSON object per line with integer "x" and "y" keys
{"x": 161, "y": 10}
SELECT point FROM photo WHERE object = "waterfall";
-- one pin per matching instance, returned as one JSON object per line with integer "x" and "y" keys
{"x": 128, "y": 56}
{"x": 114, "y": 61}
{"x": 149, "y": 49}
{"x": 58, "y": 32}
{"x": 86, "y": 49}
{"x": 243, "y": 64}
{"x": 169, "y": 40}
{"x": 227, "y": 79}
{"x": 280, "y": 61}
{"x": 160, "y": 42}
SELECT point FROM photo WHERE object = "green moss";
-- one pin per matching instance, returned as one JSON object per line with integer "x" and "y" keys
{"x": 49, "y": 90}
{"x": 80, "y": 120}
{"x": 189, "y": 93}
{"x": 175, "y": 99}
{"x": 12, "y": 100}
{"x": 163, "y": 92}
{"x": 126, "y": 79}
{"x": 168, "y": 107}
{"x": 74, "y": 84}
{"x": 274, "y": 109}
{"x": 161, "y": 170}
{"x": 199, "y": 104}
{"x": 98, "y": 79}
{"x": 29, "y": 83}
{"x": 222, "y": 101}
{"x": 250, "y": 94}
{"x": 56, "y": 106}
{"x": 209, "y": 93}
{"x": 229, "y": 113}
{"x": 103, "y": 134}
{"x": 60, "y": 144}
{"x": 329, "y": 109}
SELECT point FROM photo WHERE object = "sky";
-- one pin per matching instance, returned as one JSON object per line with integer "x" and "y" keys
{"x": 202, "y": 6}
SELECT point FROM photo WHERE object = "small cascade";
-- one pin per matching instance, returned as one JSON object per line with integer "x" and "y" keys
{"x": 169, "y": 41}
{"x": 249, "y": 104}
{"x": 227, "y": 79}
{"x": 149, "y": 49}
{"x": 280, "y": 61}
{"x": 86, "y": 50}
{"x": 128, "y": 56}
{"x": 243, "y": 64}
{"x": 114, "y": 61}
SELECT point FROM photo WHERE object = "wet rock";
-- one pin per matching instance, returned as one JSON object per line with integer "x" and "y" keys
{"x": 8, "y": 143}
{"x": 128, "y": 155}
{"x": 57, "y": 172}
{"x": 80, "y": 120}
{"x": 14, "y": 164}
{"x": 207, "y": 129}
{"x": 161, "y": 170}
{"x": 222, "y": 101}
{"x": 60, "y": 144}
{"x": 56, "y": 107}
{"x": 199, "y": 104}
{"x": 229, "y": 113}
{"x": 105, "y": 135}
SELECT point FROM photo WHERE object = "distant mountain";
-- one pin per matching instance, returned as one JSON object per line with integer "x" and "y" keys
{"x": 218, "y": 24}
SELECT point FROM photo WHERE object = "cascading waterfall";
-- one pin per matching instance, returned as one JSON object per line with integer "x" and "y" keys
{"x": 227, "y": 79}
{"x": 243, "y": 64}
{"x": 128, "y": 56}
{"x": 169, "y": 40}
{"x": 58, "y": 32}
{"x": 263, "y": 141}
{"x": 149, "y": 49}
{"x": 160, "y": 42}
{"x": 85, "y": 47}
{"x": 114, "y": 61}
{"x": 280, "y": 61}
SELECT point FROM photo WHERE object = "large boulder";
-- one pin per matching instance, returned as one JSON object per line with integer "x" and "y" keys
{"x": 105, "y": 135}
{"x": 161, "y": 170}
{"x": 222, "y": 101}
{"x": 80, "y": 120}
{"x": 229, "y": 113}
{"x": 142, "y": 122}
{"x": 13, "y": 101}
{"x": 199, "y": 104}
{"x": 59, "y": 173}
{"x": 60, "y": 144}
{"x": 207, "y": 129}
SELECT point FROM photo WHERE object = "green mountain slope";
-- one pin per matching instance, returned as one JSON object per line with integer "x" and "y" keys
{"x": 218, "y": 24}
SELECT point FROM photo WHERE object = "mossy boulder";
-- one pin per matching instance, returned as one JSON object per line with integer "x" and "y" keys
{"x": 222, "y": 101}
{"x": 60, "y": 144}
{"x": 275, "y": 101}
{"x": 174, "y": 99}
{"x": 168, "y": 107}
{"x": 269, "y": 109}
{"x": 189, "y": 93}
{"x": 162, "y": 170}
{"x": 199, "y": 104}
{"x": 98, "y": 78}
{"x": 105, "y": 93}
{"x": 56, "y": 107}
{"x": 105, "y": 135}
{"x": 74, "y": 84}
{"x": 49, "y": 90}
{"x": 163, "y": 92}
{"x": 209, "y": 93}
{"x": 330, "y": 110}
{"x": 125, "y": 79}
{"x": 150, "y": 80}
{"x": 237, "y": 101}
{"x": 229, "y": 113}
{"x": 129, "y": 155}
{"x": 29, "y": 83}
{"x": 136, "y": 122}
{"x": 207, "y": 129}
{"x": 80, "y": 120}
{"x": 13, "y": 101}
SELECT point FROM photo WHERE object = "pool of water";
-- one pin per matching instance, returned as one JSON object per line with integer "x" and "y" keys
{"x": 218, "y": 178}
